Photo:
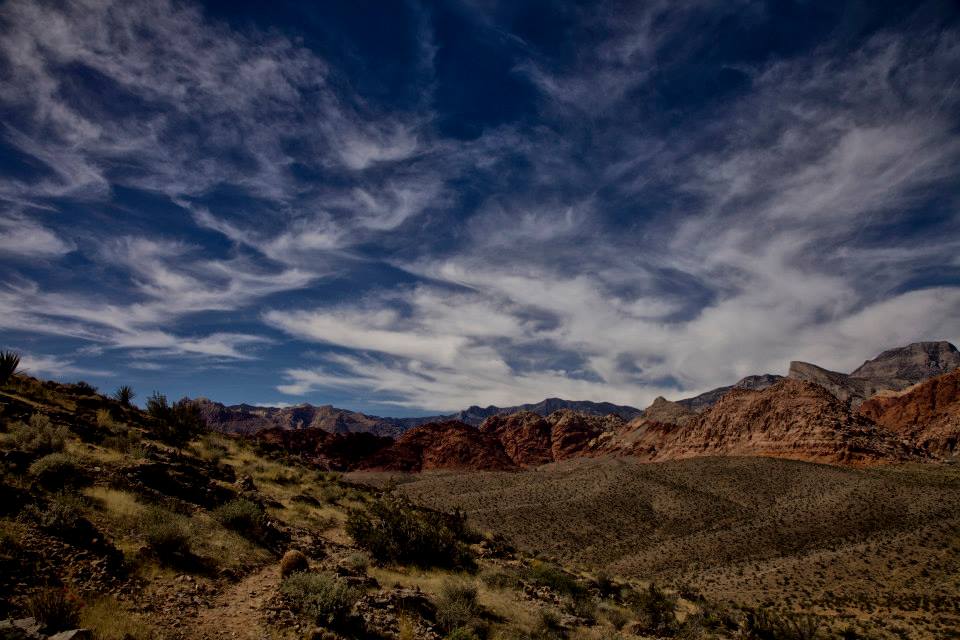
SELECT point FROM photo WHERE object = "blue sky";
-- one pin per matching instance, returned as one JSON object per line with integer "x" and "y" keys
{"x": 404, "y": 207}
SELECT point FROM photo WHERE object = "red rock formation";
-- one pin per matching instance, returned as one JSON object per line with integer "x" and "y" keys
{"x": 525, "y": 436}
{"x": 531, "y": 440}
{"x": 928, "y": 414}
{"x": 441, "y": 445}
{"x": 791, "y": 419}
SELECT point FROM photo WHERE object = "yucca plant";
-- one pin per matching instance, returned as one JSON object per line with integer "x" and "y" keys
{"x": 124, "y": 395}
{"x": 9, "y": 361}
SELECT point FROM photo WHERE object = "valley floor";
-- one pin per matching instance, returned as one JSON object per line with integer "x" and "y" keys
{"x": 878, "y": 545}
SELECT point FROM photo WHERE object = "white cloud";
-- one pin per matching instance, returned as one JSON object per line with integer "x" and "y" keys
{"x": 24, "y": 237}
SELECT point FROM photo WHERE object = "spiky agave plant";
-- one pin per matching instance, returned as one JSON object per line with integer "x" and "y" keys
{"x": 124, "y": 395}
{"x": 9, "y": 361}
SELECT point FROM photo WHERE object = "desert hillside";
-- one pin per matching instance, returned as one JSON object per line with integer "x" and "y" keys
{"x": 878, "y": 545}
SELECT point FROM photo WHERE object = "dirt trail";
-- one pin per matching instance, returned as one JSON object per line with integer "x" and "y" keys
{"x": 237, "y": 612}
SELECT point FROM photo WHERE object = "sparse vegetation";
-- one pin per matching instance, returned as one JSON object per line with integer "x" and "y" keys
{"x": 108, "y": 620}
{"x": 393, "y": 530}
{"x": 323, "y": 597}
{"x": 243, "y": 516}
{"x": 166, "y": 535}
{"x": 55, "y": 608}
{"x": 59, "y": 470}
{"x": 656, "y": 611}
{"x": 458, "y": 609}
{"x": 39, "y": 437}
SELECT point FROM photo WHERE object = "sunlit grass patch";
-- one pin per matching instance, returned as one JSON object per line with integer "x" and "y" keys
{"x": 110, "y": 621}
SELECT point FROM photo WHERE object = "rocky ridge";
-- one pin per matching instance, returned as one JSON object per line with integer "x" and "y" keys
{"x": 928, "y": 413}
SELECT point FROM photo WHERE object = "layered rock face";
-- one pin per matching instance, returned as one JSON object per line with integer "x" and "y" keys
{"x": 893, "y": 370}
{"x": 928, "y": 413}
{"x": 915, "y": 362}
{"x": 531, "y": 440}
{"x": 441, "y": 445}
{"x": 792, "y": 419}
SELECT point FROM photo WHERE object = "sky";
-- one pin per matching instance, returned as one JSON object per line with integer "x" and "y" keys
{"x": 404, "y": 208}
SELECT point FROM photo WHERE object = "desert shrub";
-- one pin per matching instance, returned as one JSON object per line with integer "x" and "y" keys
{"x": 767, "y": 624}
{"x": 548, "y": 575}
{"x": 109, "y": 621}
{"x": 59, "y": 470}
{"x": 63, "y": 512}
{"x": 243, "y": 516}
{"x": 656, "y": 610}
{"x": 284, "y": 477}
{"x": 463, "y": 633}
{"x": 56, "y": 609}
{"x": 457, "y": 606}
{"x": 175, "y": 424}
{"x": 393, "y": 530}
{"x": 9, "y": 361}
{"x": 501, "y": 579}
{"x": 165, "y": 534}
{"x": 292, "y": 562}
{"x": 122, "y": 439}
{"x": 358, "y": 562}
{"x": 583, "y": 606}
{"x": 548, "y": 626}
{"x": 615, "y": 616}
{"x": 323, "y": 597}
{"x": 39, "y": 436}
{"x": 124, "y": 395}
{"x": 84, "y": 388}
{"x": 104, "y": 419}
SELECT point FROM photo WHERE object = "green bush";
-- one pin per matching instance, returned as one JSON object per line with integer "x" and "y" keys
{"x": 392, "y": 529}
{"x": 55, "y": 609}
{"x": 656, "y": 611}
{"x": 243, "y": 516}
{"x": 62, "y": 513}
{"x": 323, "y": 597}
{"x": 463, "y": 633}
{"x": 84, "y": 388}
{"x": 175, "y": 424}
{"x": 165, "y": 534}
{"x": 457, "y": 607}
{"x": 59, "y": 470}
{"x": 548, "y": 575}
{"x": 39, "y": 437}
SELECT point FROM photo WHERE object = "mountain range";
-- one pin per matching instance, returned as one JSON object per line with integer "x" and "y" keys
{"x": 903, "y": 405}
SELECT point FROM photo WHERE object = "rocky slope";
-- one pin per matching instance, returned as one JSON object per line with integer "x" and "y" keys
{"x": 893, "y": 370}
{"x": 706, "y": 400}
{"x": 440, "y": 445}
{"x": 928, "y": 413}
{"x": 667, "y": 412}
{"x": 792, "y": 419}
{"x": 915, "y": 362}
{"x": 530, "y": 439}
{"x": 476, "y": 415}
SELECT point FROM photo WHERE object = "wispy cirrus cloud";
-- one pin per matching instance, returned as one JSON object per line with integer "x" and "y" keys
{"x": 638, "y": 200}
